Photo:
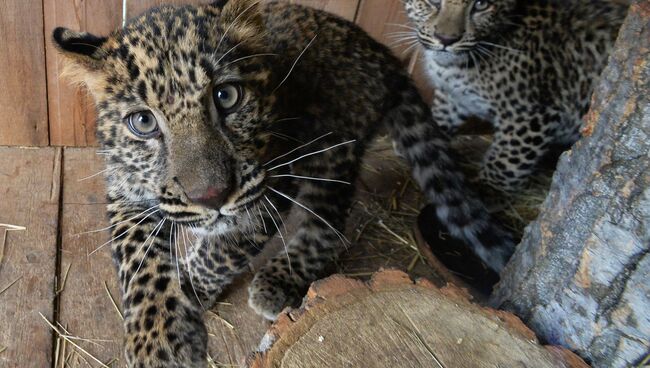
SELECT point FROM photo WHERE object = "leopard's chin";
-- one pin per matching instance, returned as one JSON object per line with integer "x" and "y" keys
{"x": 447, "y": 57}
{"x": 221, "y": 225}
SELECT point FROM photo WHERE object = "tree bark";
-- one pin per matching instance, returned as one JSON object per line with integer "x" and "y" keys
{"x": 581, "y": 276}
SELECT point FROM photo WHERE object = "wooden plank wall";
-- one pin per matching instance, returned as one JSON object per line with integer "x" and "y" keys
{"x": 39, "y": 109}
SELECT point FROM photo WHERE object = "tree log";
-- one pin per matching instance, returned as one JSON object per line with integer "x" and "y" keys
{"x": 392, "y": 321}
{"x": 581, "y": 276}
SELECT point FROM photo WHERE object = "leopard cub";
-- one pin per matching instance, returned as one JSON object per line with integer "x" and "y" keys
{"x": 527, "y": 67}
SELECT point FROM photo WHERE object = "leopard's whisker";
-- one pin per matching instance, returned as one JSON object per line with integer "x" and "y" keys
{"x": 233, "y": 23}
{"x": 297, "y": 148}
{"x": 310, "y": 178}
{"x": 412, "y": 45}
{"x": 171, "y": 233}
{"x": 156, "y": 229}
{"x": 338, "y": 233}
{"x": 246, "y": 57}
{"x": 262, "y": 217}
{"x": 311, "y": 154}
{"x": 403, "y": 41}
{"x": 278, "y": 212}
{"x": 500, "y": 46}
{"x": 117, "y": 223}
{"x": 293, "y": 66}
{"x": 123, "y": 233}
{"x": 402, "y": 26}
{"x": 284, "y": 243}
{"x": 285, "y": 137}
{"x": 176, "y": 251}
{"x": 108, "y": 169}
{"x": 228, "y": 52}
{"x": 189, "y": 269}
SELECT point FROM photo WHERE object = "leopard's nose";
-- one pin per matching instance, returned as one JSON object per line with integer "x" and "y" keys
{"x": 447, "y": 40}
{"x": 211, "y": 197}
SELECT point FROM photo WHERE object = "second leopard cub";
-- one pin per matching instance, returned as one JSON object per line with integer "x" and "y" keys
{"x": 526, "y": 66}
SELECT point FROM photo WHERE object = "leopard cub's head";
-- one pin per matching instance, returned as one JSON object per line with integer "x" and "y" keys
{"x": 184, "y": 97}
{"x": 452, "y": 30}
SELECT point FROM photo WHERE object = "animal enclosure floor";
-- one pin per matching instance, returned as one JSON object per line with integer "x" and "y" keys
{"x": 59, "y": 301}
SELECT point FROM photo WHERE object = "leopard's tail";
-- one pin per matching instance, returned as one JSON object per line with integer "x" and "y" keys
{"x": 426, "y": 148}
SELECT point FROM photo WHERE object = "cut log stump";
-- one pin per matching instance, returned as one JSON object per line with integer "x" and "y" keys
{"x": 392, "y": 321}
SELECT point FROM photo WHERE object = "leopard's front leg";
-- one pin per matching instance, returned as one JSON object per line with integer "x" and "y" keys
{"x": 163, "y": 326}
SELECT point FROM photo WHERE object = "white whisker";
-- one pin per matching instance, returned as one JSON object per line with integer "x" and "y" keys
{"x": 108, "y": 169}
{"x": 233, "y": 23}
{"x": 189, "y": 269}
{"x": 278, "y": 212}
{"x": 178, "y": 267}
{"x": 295, "y": 63}
{"x": 338, "y": 233}
{"x": 117, "y": 223}
{"x": 309, "y": 178}
{"x": 299, "y": 147}
{"x": 263, "y": 222}
{"x": 125, "y": 231}
{"x": 311, "y": 154}
{"x": 286, "y": 249}
{"x": 246, "y": 57}
{"x": 159, "y": 227}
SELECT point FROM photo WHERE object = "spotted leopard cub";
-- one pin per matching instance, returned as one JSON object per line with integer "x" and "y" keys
{"x": 526, "y": 66}
{"x": 214, "y": 121}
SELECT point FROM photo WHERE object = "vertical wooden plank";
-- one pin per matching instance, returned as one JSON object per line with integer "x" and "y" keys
{"x": 29, "y": 197}
{"x": 84, "y": 306}
{"x": 23, "y": 96}
{"x": 71, "y": 111}
{"x": 381, "y": 19}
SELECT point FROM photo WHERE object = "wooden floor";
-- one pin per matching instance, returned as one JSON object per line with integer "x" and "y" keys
{"x": 49, "y": 279}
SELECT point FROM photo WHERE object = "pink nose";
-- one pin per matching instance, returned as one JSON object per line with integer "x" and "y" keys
{"x": 211, "y": 197}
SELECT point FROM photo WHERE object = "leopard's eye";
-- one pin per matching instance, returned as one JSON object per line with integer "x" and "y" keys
{"x": 227, "y": 97}
{"x": 481, "y": 5}
{"x": 143, "y": 124}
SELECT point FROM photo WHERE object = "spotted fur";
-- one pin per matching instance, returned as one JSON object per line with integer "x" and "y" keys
{"x": 194, "y": 200}
{"x": 526, "y": 66}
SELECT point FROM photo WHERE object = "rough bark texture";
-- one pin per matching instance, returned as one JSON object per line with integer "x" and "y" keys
{"x": 581, "y": 277}
{"x": 392, "y": 321}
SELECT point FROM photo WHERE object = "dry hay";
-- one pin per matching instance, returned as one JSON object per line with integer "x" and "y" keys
{"x": 385, "y": 217}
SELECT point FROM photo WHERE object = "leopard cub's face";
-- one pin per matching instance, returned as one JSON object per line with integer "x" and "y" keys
{"x": 451, "y": 30}
{"x": 183, "y": 100}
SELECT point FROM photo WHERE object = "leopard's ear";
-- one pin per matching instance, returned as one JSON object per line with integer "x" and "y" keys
{"x": 82, "y": 48}
{"x": 242, "y": 19}
{"x": 84, "y": 55}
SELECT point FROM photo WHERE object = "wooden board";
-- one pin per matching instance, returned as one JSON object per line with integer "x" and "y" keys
{"x": 29, "y": 197}
{"x": 85, "y": 308}
{"x": 381, "y": 19}
{"x": 71, "y": 110}
{"x": 394, "y": 322}
{"x": 23, "y": 97}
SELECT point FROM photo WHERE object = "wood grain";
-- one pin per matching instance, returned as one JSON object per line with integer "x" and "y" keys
{"x": 84, "y": 305}
{"x": 394, "y": 322}
{"x": 71, "y": 111}
{"x": 23, "y": 96}
{"x": 29, "y": 197}
{"x": 381, "y": 18}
